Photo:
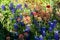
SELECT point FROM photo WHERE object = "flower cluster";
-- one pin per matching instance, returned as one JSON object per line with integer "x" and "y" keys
{"x": 26, "y": 21}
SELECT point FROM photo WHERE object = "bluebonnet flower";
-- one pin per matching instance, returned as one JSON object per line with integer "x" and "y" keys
{"x": 22, "y": 24}
{"x": 27, "y": 28}
{"x": 56, "y": 35}
{"x": 43, "y": 33}
{"x": 50, "y": 29}
{"x": 36, "y": 38}
{"x": 3, "y": 7}
{"x": 19, "y": 6}
{"x": 15, "y": 26}
{"x": 11, "y": 6}
{"x": 54, "y": 21}
{"x": 13, "y": 10}
{"x": 43, "y": 29}
{"x": 51, "y": 25}
{"x": 49, "y": 22}
{"x": 41, "y": 37}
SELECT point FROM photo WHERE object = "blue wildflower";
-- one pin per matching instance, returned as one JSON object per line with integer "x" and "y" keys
{"x": 11, "y": 6}
{"x": 49, "y": 22}
{"x": 3, "y": 7}
{"x": 27, "y": 29}
{"x": 56, "y": 35}
{"x": 43, "y": 28}
{"x": 19, "y": 6}
{"x": 50, "y": 29}
{"x": 43, "y": 33}
{"x": 13, "y": 10}
{"x": 36, "y": 38}
{"x": 52, "y": 25}
{"x": 15, "y": 26}
{"x": 41, "y": 37}
{"x": 54, "y": 21}
{"x": 22, "y": 24}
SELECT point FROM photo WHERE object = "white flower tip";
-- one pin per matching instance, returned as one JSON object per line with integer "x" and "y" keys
{"x": 56, "y": 31}
{"x": 54, "y": 20}
{"x": 28, "y": 25}
{"x": 51, "y": 23}
{"x": 43, "y": 31}
{"x": 41, "y": 36}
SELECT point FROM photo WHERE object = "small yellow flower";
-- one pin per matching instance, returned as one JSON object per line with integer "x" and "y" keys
{"x": 39, "y": 18}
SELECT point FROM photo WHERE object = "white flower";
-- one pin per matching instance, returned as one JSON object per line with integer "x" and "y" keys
{"x": 40, "y": 36}
{"x": 56, "y": 32}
